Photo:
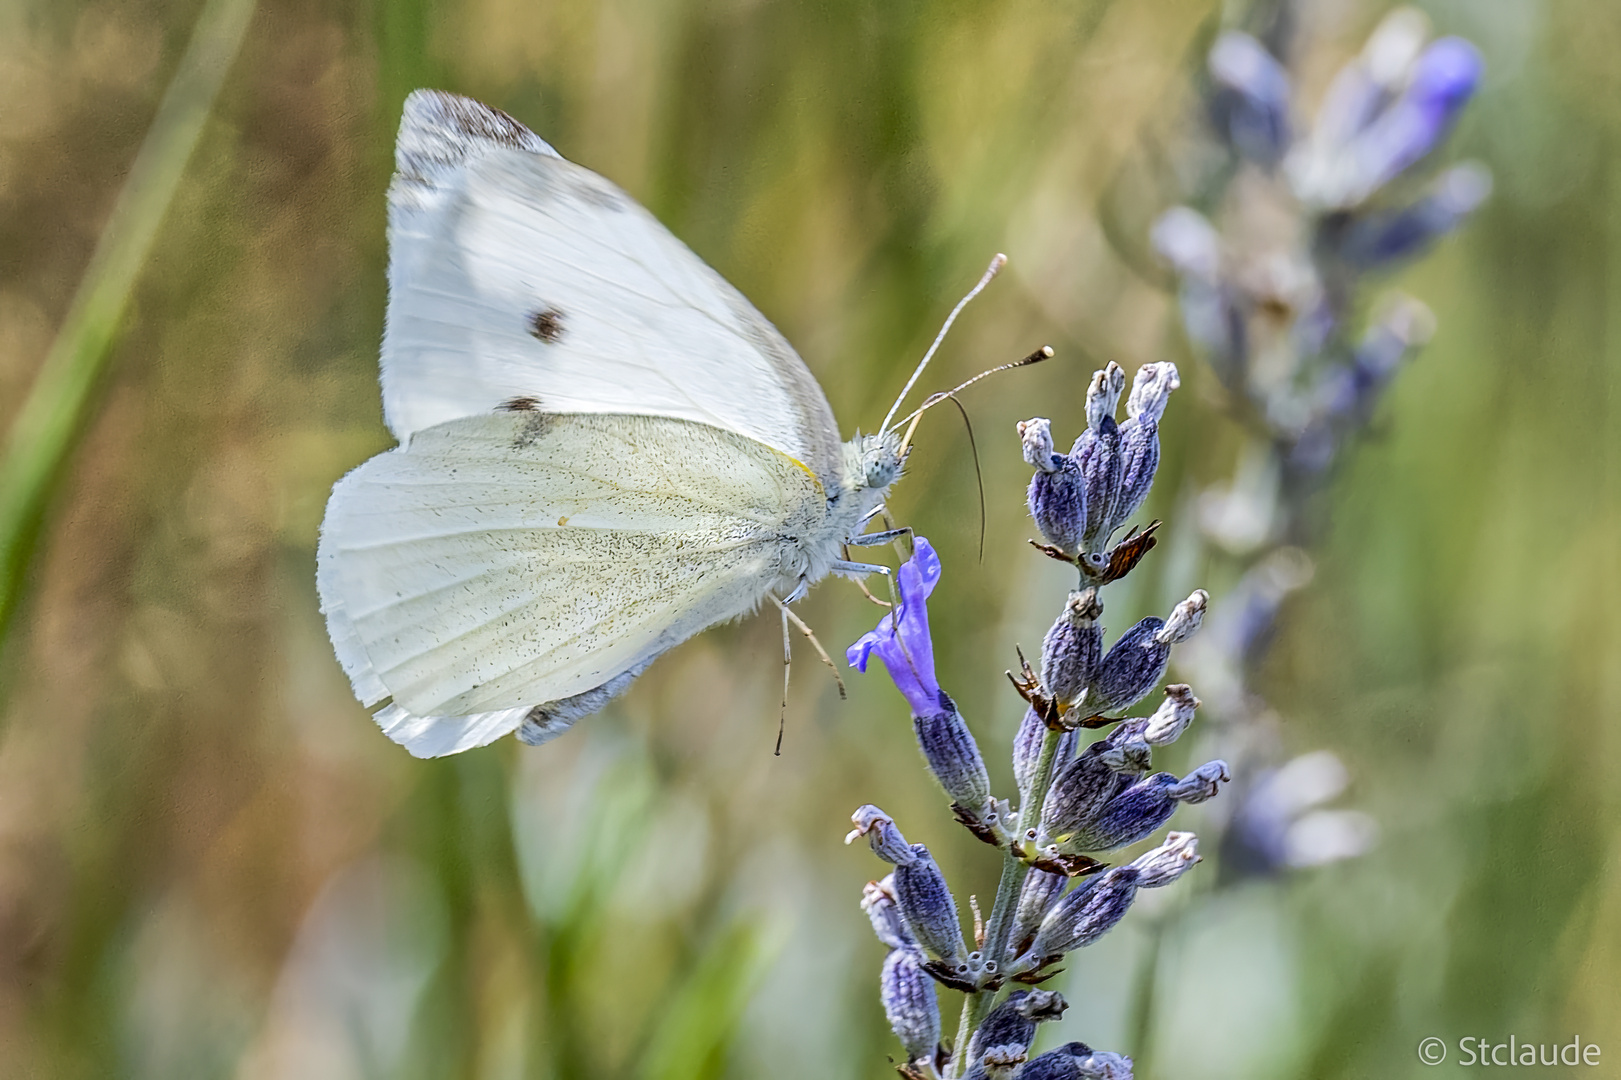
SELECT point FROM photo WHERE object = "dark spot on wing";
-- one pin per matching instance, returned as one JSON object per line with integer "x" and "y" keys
{"x": 547, "y": 325}
{"x": 519, "y": 404}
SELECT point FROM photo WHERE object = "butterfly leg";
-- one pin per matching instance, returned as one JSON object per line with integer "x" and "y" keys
{"x": 810, "y": 635}
{"x": 787, "y": 666}
{"x": 847, "y": 568}
{"x": 887, "y": 536}
{"x": 874, "y": 512}
{"x": 798, "y": 594}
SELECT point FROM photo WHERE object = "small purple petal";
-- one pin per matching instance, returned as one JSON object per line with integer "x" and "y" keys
{"x": 907, "y": 653}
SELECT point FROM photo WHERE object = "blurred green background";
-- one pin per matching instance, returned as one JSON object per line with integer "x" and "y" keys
{"x": 213, "y": 865}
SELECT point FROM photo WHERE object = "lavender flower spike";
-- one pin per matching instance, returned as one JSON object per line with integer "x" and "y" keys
{"x": 901, "y": 638}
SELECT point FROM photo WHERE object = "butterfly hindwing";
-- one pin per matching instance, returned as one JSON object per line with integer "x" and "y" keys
{"x": 517, "y": 558}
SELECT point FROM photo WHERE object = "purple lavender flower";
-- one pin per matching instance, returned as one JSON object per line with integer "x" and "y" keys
{"x": 901, "y": 638}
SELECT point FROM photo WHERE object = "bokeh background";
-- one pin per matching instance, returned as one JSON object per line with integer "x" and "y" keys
{"x": 213, "y": 865}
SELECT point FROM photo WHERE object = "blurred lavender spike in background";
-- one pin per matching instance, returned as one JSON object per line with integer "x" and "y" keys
{"x": 1251, "y": 99}
{"x": 1444, "y": 79}
{"x": 910, "y": 1005}
{"x": 1278, "y": 825}
{"x": 926, "y": 904}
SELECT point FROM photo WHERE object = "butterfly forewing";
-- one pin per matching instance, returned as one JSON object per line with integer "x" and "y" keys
{"x": 533, "y": 278}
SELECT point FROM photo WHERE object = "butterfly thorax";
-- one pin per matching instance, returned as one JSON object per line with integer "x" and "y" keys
{"x": 871, "y": 463}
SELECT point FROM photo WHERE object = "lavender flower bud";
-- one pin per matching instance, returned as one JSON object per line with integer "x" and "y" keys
{"x": 1151, "y": 390}
{"x": 1086, "y": 913}
{"x": 1008, "y": 1030}
{"x": 1251, "y": 104}
{"x": 1102, "y": 1065}
{"x": 1129, "y": 669}
{"x": 1027, "y": 747}
{"x": 1185, "y": 619}
{"x": 1077, "y": 1061}
{"x": 1103, "y": 394}
{"x": 878, "y": 901}
{"x": 907, "y": 992}
{"x": 1175, "y": 857}
{"x": 1057, "y": 495}
{"x": 1131, "y": 756}
{"x": 1073, "y": 647}
{"x": 879, "y": 829}
{"x": 1041, "y": 889}
{"x": 1036, "y": 435}
{"x": 1143, "y": 807}
{"x": 953, "y": 756}
{"x": 1059, "y": 1064}
{"x": 927, "y": 906}
{"x": 1097, "y": 455}
{"x": 1202, "y": 783}
{"x": 1139, "y": 437}
{"x": 1079, "y": 794}
{"x": 1172, "y": 717}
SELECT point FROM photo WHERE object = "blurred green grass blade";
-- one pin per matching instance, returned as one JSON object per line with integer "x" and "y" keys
{"x": 700, "y": 1022}
{"x": 55, "y": 411}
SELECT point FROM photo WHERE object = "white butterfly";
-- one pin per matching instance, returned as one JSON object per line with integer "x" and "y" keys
{"x": 604, "y": 448}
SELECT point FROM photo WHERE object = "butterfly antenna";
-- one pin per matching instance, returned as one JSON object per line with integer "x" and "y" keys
{"x": 995, "y": 268}
{"x": 973, "y": 448}
{"x": 1043, "y": 353}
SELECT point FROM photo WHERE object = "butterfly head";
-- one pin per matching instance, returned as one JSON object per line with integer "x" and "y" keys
{"x": 875, "y": 460}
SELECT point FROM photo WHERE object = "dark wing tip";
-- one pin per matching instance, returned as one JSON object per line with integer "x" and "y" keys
{"x": 440, "y": 130}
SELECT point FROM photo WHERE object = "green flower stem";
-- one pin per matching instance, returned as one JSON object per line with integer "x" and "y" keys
{"x": 1014, "y": 870}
